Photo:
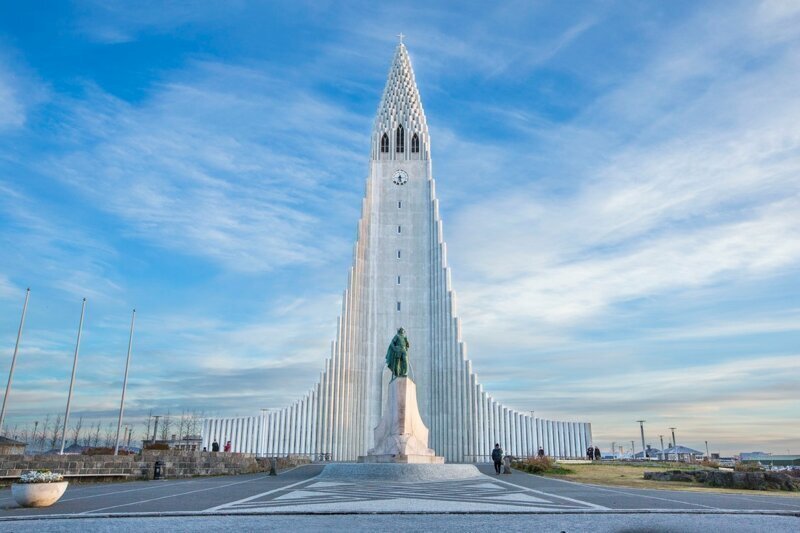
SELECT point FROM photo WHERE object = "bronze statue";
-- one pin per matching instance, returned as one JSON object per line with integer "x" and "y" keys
{"x": 397, "y": 355}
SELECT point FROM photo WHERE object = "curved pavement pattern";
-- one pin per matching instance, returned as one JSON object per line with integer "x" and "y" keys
{"x": 299, "y": 492}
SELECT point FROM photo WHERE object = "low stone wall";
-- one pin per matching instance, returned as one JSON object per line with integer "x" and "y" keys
{"x": 732, "y": 480}
{"x": 177, "y": 464}
{"x": 96, "y": 465}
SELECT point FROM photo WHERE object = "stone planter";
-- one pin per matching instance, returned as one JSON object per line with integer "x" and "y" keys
{"x": 38, "y": 494}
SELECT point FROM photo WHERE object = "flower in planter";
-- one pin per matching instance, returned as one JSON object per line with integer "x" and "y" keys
{"x": 40, "y": 476}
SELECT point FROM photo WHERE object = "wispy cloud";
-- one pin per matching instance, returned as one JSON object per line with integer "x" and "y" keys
{"x": 229, "y": 170}
{"x": 12, "y": 106}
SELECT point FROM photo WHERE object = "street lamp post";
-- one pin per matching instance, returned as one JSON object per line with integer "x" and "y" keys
{"x": 124, "y": 384}
{"x": 661, "y": 437}
{"x": 14, "y": 359}
{"x": 675, "y": 444}
{"x": 155, "y": 427}
{"x": 72, "y": 380}
{"x": 641, "y": 428}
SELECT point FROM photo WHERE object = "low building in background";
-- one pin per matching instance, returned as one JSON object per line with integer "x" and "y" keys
{"x": 768, "y": 459}
{"x": 682, "y": 453}
{"x": 187, "y": 442}
{"x": 12, "y": 447}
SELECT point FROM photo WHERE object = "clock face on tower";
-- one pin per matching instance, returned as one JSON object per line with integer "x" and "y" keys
{"x": 400, "y": 177}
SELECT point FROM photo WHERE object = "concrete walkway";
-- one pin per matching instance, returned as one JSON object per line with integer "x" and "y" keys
{"x": 517, "y": 501}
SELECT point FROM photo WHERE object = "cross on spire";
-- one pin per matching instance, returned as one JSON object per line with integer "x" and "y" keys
{"x": 401, "y": 37}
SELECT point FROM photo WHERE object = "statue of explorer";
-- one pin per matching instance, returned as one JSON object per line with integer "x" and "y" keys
{"x": 397, "y": 355}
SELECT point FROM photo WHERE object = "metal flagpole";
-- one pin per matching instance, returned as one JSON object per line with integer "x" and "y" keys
{"x": 124, "y": 383}
{"x": 14, "y": 359}
{"x": 72, "y": 381}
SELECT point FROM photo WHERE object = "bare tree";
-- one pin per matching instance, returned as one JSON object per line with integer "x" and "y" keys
{"x": 76, "y": 431}
{"x": 87, "y": 438}
{"x": 166, "y": 425}
{"x": 149, "y": 422}
{"x": 96, "y": 435}
{"x": 182, "y": 422}
{"x": 45, "y": 427}
{"x": 194, "y": 423}
{"x": 108, "y": 436}
{"x": 147, "y": 435}
{"x": 56, "y": 433}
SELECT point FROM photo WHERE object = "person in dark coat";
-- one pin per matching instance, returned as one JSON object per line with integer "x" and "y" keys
{"x": 497, "y": 457}
{"x": 215, "y": 446}
{"x": 540, "y": 453}
{"x": 590, "y": 452}
{"x": 596, "y": 453}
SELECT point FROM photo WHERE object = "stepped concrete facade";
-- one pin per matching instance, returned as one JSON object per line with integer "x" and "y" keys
{"x": 399, "y": 278}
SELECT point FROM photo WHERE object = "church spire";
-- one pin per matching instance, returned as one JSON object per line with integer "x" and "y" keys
{"x": 401, "y": 131}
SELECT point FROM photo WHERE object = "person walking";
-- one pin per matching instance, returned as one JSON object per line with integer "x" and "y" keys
{"x": 597, "y": 455}
{"x": 215, "y": 446}
{"x": 590, "y": 452}
{"x": 497, "y": 457}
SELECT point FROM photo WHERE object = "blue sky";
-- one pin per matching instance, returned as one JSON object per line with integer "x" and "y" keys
{"x": 620, "y": 184}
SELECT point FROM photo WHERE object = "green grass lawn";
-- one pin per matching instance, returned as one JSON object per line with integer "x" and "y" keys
{"x": 618, "y": 474}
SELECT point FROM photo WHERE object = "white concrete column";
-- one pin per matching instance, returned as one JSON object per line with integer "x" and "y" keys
{"x": 497, "y": 422}
{"x": 526, "y": 439}
{"x": 271, "y": 434}
{"x": 584, "y": 443}
{"x": 281, "y": 432}
{"x": 558, "y": 441}
{"x": 512, "y": 426}
{"x": 303, "y": 425}
{"x": 570, "y": 440}
{"x": 293, "y": 428}
{"x": 550, "y": 447}
{"x": 484, "y": 432}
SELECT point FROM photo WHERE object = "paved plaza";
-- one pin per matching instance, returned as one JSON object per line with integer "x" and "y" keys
{"x": 298, "y": 498}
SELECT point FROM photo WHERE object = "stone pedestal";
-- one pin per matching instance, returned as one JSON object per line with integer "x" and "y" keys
{"x": 401, "y": 436}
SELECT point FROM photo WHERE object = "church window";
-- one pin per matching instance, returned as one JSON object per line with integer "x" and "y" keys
{"x": 400, "y": 141}
{"x": 415, "y": 144}
{"x": 398, "y": 306}
{"x": 385, "y": 144}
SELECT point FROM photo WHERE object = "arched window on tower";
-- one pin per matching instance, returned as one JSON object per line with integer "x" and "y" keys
{"x": 385, "y": 144}
{"x": 415, "y": 144}
{"x": 400, "y": 141}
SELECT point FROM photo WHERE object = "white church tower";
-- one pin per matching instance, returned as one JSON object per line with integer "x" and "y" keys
{"x": 399, "y": 278}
